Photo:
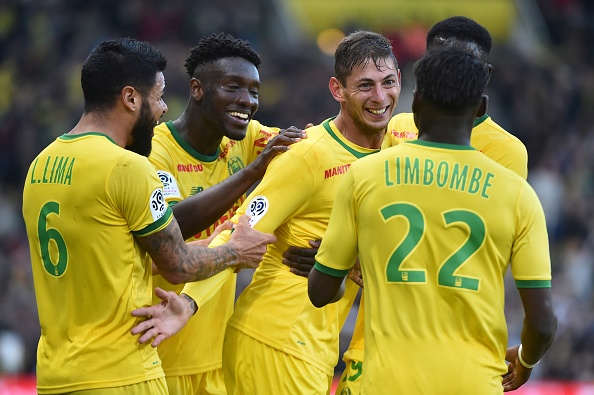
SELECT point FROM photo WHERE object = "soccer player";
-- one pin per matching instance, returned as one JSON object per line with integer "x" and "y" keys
{"x": 93, "y": 208}
{"x": 274, "y": 330}
{"x": 214, "y": 148}
{"x": 435, "y": 224}
{"x": 487, "y": 137}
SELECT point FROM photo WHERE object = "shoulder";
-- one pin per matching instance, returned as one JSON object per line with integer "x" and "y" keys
{"x": 489, "y": 129}
{"x": 163, "y": 139}
{"x": 400, "y": 128}
{"x": 162, "y": 132}
{"x": 128, "y": 162}
{"x": 255, "y": 128}
{"x": 403, "y": 119}
{"x": 317, "y": 138}
{"x": 500, "y": 145}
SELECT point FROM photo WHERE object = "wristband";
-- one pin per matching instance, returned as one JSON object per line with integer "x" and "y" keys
{"x": 524, "y": 364}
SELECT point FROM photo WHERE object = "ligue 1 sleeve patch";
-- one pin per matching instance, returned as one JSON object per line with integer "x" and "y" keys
{"x": 257, "y": 209}
{"x": 170, "y": 188}
{"x": 157, "y": 204}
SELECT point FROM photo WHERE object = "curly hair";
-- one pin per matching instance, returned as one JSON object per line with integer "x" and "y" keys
{"x": 461, "y": 29}
{"x": 218, "y": 46}
{"x": 451, "y": 78}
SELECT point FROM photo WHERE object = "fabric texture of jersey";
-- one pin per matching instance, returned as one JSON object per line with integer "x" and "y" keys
{"x": 83, "y": 193}
{"x": 184, "y": 172}
{"x": 435, "y": 227}
{"x": 294, "y": 201}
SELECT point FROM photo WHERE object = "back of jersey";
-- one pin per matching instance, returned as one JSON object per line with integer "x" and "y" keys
{"x": 437, "y": 226}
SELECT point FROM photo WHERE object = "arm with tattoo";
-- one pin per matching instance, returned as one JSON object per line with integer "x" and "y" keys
{"x": 179, "y": 262}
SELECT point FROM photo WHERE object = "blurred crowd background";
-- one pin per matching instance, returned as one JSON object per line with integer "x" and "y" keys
{"x": 542, "y": 90}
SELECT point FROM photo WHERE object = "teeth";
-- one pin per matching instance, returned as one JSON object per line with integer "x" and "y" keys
{"x": 238, "y": 115}
{"x": 378, "y": 112}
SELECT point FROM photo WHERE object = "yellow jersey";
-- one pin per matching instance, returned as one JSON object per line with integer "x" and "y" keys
{"x": 488, "y": 138}
{"x": 84, "y": 200}
{"x": 294, "y": 201}
{"x": 435, "y": 227}
{"x": 184, "y": 172}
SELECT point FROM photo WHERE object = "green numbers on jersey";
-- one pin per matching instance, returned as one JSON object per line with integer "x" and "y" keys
{"x": 416, "y": 224}
{"x": 45, "y": 237}
{"x": 447, "y": 273}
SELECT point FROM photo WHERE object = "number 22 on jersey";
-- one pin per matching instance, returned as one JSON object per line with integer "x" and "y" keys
{"x": 396, "y": 273}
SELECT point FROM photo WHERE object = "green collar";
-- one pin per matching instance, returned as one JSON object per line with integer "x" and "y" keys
{"x": 184, "y": 144}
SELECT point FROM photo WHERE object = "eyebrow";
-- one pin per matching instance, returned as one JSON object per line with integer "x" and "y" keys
{"x": 388, "y": 77}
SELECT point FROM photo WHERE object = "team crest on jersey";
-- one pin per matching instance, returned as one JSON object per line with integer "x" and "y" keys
{"x": 234, "y": 165}
{"x": 170, "y": 188}
{"x": 257, "y": 209}
{"x": 157, "y": 204}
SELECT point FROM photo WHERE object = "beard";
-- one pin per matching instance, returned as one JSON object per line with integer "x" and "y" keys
{"x": 361, "y": 124}
{"x": 142, "y": 131}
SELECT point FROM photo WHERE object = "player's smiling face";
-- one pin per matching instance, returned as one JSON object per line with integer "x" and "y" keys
{"x": 231, "y": 95}
{"x": 371, "y": 94}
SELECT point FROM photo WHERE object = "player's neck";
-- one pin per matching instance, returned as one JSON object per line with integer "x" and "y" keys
{"x": 198, "y": 133}
{"x": 104, "y": 123}
{"x": 363, "y": 138}
{"x": 443, "y": 127}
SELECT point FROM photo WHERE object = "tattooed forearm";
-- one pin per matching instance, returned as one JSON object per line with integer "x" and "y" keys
{"x": 210, "y": 261}
{"x": 179, "y": 263}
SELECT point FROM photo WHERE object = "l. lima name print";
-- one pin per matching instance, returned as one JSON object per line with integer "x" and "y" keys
{"x": 56, "y": 170}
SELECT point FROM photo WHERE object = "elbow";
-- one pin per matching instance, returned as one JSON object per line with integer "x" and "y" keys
{"x": 172, "y": 278}
{"x": 323, "y": 289}
{"x": 316, "y": 301}
{"x": 317, "y": 298}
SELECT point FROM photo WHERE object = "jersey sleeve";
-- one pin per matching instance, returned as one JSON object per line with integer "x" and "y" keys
{"x": 530, "y": 260}
{"x": 137, "y": 192}
{"x": 257, "y": 137}
{"x": 339, "y": 250}
{"x": 285, "y": 189}
{"x": 162, "y": 161}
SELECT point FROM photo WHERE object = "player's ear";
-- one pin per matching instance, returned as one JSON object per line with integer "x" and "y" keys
{"x": 131, "y": 98}
{"x": 196, "y": 89}
{"x": 482, "y": 109}
{"x": 336, "y": 89}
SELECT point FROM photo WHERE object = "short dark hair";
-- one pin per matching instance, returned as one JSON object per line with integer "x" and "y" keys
{"x": 114, "y": 64}
{"x": 218, "y": 46}
{"x": 356, "y": 49}
{"x": 450, "y": 78}
{"x": 463, "y": 29}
